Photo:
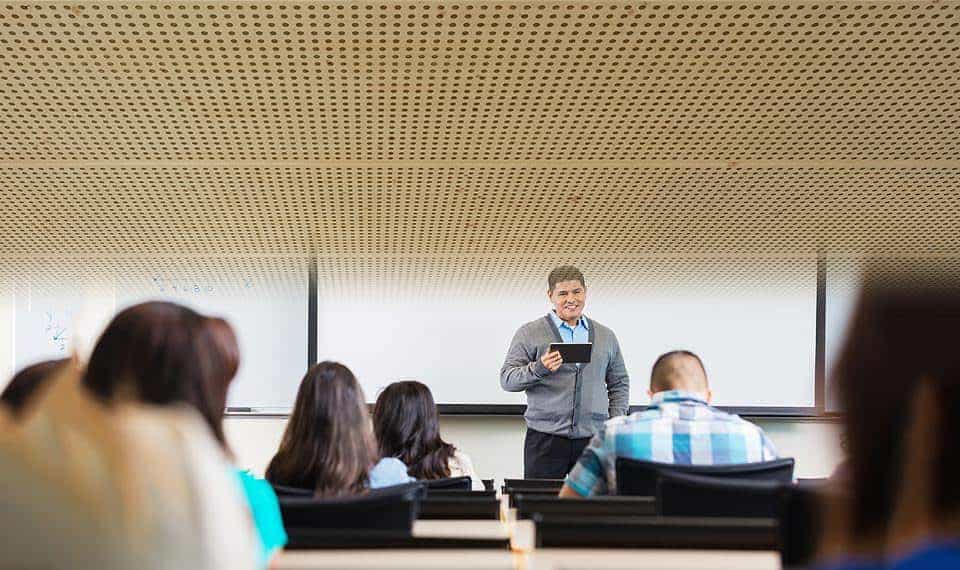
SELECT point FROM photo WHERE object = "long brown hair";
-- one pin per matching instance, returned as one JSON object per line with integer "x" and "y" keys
{"x": 158, "y": 353}
{"x": 28, "y": 383}
{"x": 903, "y": 335}
{"x": 407, "y": 427}
{"x": 328, "y": 444}
{"x": 223, "y": 353}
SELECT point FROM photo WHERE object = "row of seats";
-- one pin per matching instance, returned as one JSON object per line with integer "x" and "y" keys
{"x": 752, "y": 506}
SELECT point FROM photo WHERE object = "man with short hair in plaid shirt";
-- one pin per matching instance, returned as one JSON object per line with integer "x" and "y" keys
{"x": 679, "y": 426}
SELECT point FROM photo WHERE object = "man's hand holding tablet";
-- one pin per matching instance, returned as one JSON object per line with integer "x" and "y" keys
{"x": 551, "y": 360}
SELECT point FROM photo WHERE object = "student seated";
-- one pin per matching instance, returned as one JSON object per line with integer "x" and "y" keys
{"x": 27, "y": 383}
{"x": 329, "y": 445}
{"x": 898, "y": 380}
{"x": 84, "y": 485}
{"x": 679, "y": 426}
{"x": 407, "y": 427}
{"x": 165, "y": 354}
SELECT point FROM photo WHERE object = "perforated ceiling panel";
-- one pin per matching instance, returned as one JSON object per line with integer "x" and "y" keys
{"x": 482, "y": 80}
{"x": 450, "y": 129}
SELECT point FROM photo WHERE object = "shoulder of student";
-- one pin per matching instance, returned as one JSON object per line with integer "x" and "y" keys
{"x": 388, "y": 471}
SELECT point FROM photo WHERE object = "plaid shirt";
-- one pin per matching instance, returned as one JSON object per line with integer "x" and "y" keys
{"x": 677, "y": 427}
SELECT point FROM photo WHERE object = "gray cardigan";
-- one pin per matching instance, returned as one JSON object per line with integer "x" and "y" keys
{"x": 573, "y": 401}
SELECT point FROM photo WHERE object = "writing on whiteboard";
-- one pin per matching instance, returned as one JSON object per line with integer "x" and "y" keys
{"x": 190, "y": 287}
{"x": 55, "y": 330}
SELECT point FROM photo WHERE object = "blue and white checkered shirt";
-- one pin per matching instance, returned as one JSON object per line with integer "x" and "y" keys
{"x": 677, "y": 427}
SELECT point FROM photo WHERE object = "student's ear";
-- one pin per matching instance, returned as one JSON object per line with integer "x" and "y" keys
{"x": 709, "y": 396}
{"x": 650, "y": 394}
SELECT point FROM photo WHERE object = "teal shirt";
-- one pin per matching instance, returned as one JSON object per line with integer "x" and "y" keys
{"x": 265, "y": 509}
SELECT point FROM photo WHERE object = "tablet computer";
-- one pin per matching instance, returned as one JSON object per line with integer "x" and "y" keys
{"x": 573, "y": 352}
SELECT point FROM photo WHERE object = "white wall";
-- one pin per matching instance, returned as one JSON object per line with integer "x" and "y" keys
{"x": 496, "y": 443}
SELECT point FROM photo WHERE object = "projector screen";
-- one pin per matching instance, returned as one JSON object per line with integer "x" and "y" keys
{"x": 756, "y": 337}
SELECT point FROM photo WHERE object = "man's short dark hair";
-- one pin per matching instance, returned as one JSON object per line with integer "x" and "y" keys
{"x": 661, "y": 379}
{"x": 564, "y": 273}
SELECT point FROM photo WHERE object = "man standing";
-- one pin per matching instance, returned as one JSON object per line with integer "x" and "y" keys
{"x": 566, "y": 403}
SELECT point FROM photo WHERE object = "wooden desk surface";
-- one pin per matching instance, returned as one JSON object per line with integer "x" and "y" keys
{"x": 543, "y": 559}
{"x": 396, "y": 559}
{"x": 652, "y": 559}
{"x": 460, "y": 529}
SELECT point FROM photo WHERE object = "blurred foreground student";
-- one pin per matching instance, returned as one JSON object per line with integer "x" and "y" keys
{"x": 224, "y": 361}
{"x": 407, "y": 427}
{"x": 679, "y": 426}
{"x": 898, "y": 379}
{"x": 329, "y": 445}
{"x": 166, "y": 354}
{"x": 83, "y": 485}
{"x": 28, "y": 383}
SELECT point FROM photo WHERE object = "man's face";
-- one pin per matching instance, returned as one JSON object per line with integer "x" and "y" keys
{"x": 568, "y": 298}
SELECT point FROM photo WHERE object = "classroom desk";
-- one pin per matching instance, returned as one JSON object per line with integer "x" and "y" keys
{"x": 524, "y": 557}
{"x": 648, "y": 559}
{"x": 396, "y": 559}
{"x": 543, "y": 559}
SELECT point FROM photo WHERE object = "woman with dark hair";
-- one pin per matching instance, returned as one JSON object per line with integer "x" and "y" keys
{"x": 27, "y": 383}
{"x": 224, "y": 362}
{"x": 164, "y": 354}
{"x": 328, "y": 445}
{"x": 898, "y": 379}
{"x": 407, "y": 427}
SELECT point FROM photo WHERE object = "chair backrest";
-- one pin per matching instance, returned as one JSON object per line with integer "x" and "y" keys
{"x": 284, "y": 491}
{"x": 656, "y": 532}
{"x": 389, "y": 508}
{"x": 460, "y": 505}
{"x": 534, "y": 483}
{"x": 488, "y": 484}
{"x": 639, "y": 477}
{"x": 799, "y": 524}
{"x": 681, "y": 495}
{"x": 604, "y": 506}
{"x": 448, "y": 483}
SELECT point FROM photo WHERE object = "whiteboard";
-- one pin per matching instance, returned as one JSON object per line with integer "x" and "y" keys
{"x": 52, "y": 320}
{"x": 270, "y": 323}
{"x": 843, "y": 284}
{"x": 757, "y": 342}
{"x": 756, "y": 337}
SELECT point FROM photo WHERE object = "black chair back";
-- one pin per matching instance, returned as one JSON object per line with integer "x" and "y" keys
{"x": 488, "y": 484}
{"x": 390, "y": 508}
{"x": 448, "y": 484}
{"x": 529, "y": 506}
{"x": 460, "y": 505}
{"x": 656, "y": 532}
{"x": 534, "y": 483}
{"x": 681, "y": 495}
{"x": 284, "y": 491}
{"x": 639, "y": 477}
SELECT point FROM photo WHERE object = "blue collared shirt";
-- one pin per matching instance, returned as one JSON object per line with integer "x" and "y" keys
{"x": 677, "y": 427}
{"x": 578, "y": 334}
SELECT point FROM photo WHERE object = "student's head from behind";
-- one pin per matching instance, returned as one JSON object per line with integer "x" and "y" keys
{"x": 28, "y": 383}
{"x": 406, "y": 425}
{"x": 328, "y": 444}
{"x": 159, "y": 353}
{"x": 680, "y": 370}
{"x": 898, "y": 380}
{"x": 567, "y": 291}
